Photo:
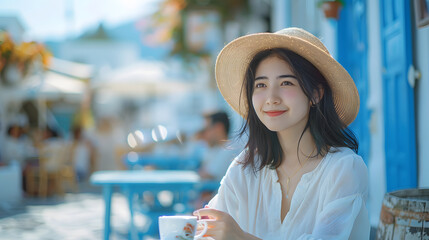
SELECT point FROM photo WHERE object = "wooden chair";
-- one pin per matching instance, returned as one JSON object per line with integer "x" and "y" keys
{"x": 68, "y": 171}
{"x": 54, "y": 169}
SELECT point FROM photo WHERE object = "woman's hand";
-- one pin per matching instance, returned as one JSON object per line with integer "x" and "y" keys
{"x": 221, "y": 225}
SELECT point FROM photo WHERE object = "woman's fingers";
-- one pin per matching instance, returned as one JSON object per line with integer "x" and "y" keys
{"x": 212, "y": 223}
{"x": 210, "y": 212}
{"x": 220, "y": 225}
{"x": 214, "y": 228}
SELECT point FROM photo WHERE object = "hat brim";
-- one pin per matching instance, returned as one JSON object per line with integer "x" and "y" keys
{"x": 233, "y": 60}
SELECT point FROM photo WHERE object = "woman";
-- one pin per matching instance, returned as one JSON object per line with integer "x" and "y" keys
{"x": 299, "y": 176}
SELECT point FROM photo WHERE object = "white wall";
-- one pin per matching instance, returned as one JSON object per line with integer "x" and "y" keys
{"x": 306, "y": 14}
{"x": 422, "y": 100}
{"x": 280, "y": 17}
{"x": 328, "y": 35}
{"x": 376, "y": 162}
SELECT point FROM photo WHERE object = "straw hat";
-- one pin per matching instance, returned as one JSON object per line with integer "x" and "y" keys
{"x": 233, "y": 60}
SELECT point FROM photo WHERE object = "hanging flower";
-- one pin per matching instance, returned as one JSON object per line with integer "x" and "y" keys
{"x": 6, "y": 49}
{"x": 23, "y": 56}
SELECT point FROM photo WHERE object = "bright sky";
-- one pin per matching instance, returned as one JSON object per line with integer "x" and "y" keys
{"x": 57, "y": 19}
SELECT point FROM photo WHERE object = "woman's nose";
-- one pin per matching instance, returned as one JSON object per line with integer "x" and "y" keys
{"x": 273, "y": 97}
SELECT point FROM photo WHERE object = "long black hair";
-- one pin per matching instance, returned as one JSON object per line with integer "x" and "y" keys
{"x": 324, "y": 124}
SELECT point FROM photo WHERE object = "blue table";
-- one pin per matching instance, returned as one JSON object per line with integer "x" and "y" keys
{"x": 133, "y": 182}
{"x": 162, "y": 161}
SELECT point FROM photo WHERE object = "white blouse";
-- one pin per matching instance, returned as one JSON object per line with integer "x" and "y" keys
{"x": 328, "y": 203}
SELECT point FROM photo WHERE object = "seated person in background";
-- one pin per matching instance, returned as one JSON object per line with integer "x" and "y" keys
{"x": 52, "y": 149}
{"x": 17, "y": 147}
{"x": 105, "y": 139}
{"x": 81, "y": 150}
{"x": 218, "y": 155}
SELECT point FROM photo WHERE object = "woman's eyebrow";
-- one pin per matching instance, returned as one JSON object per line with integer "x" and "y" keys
{"x": 261, "y": 78}
{"x": 287, "y": 76}
{"x": 281, "y": 76}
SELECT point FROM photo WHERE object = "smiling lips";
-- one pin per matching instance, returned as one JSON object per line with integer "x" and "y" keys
{"x": 274, "y": 113}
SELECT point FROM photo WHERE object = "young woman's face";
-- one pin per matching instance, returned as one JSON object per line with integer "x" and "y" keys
{"x": 278, "y": 99}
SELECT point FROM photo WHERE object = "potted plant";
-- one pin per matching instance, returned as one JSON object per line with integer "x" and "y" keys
{"x": 331, "y": 8}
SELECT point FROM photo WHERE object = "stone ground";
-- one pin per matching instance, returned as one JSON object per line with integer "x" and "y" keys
{"x": 73, "y": 216}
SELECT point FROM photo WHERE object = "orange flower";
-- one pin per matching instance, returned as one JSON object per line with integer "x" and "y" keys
{"x": 23, "y": 55}
{"x": 6, "y": 45}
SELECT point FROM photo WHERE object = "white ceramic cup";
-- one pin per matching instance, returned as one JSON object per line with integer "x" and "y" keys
{"x": 180, "y": 227}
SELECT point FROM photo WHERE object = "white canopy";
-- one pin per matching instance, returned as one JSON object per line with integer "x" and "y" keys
{"x": 64, "y": 80}
{"x": 49, "y": 86}
{"x": 143, "y": 79}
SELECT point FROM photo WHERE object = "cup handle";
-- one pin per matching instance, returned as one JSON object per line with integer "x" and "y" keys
{"x": 199, "y": 236}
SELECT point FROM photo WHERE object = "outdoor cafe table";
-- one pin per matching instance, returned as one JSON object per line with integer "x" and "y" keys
{"x": 161, "y": 161}
{"x": 133, "y": 182}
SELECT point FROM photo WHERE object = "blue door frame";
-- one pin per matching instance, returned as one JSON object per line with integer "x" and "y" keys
{"x": 352, "y": 54}
{"x": 398, "y": 96}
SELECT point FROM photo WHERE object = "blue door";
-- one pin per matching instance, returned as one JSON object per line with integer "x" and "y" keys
{"x": 398, "y": 98}
{"x": 352, "y": 54}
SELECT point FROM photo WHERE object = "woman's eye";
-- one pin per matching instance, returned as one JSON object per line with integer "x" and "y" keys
{"x": 286, "y": 83}
{"x": 259, "y": 85}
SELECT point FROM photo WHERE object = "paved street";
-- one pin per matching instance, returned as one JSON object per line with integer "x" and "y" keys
{"x": 75, "y": 216}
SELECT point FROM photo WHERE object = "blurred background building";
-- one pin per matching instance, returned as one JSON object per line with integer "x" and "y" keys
{"x": 156, "y": 71}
